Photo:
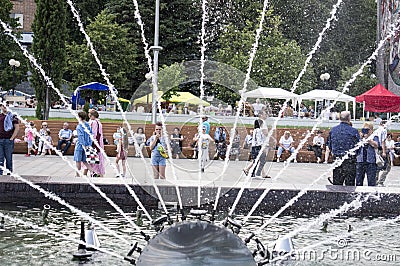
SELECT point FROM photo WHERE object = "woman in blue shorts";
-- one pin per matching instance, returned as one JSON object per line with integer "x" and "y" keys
{"x": 158, "y": 147}
{"x": 84, "y": 140}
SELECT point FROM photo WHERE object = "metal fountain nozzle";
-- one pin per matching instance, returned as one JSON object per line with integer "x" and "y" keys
{"x": 82, "y": 254}
{"x": 45, "y": 211}
{"x": 91, "y": 238}
{"x": 2, "y": 222}
{"x": 283, "y": 246}
{"x": 198, "y": 213}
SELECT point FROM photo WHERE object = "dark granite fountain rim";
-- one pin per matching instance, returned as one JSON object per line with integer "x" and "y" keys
{"x": 223, "y": 184}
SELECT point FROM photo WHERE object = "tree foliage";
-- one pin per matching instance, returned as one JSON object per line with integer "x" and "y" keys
{"x": 278, "y": 60}
{"x": 364, "y": 82}
{"x": 350, "y": 40}
{"x": 8, "y": 50}
{"x": 49, "y": 48}
{"x": 116, "y": 54}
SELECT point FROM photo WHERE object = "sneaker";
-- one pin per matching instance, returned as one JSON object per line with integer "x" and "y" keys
{"x": 277, "y": 160}
{"x": 325, "y": 162}
{"x": 318, "y": 160}
{"x": 27, "y": 155}
{"x": 295, "y": 161}
{"x": 380, "y": 185}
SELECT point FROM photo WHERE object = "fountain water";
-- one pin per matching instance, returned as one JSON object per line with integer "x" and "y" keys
{"x": 343, "y": 208}
{"x": 49, "y": 231}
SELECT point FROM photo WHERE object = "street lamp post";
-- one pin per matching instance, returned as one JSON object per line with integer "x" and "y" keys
{"x": 324, "y": 77}
{"x": 156, "y": 49}
{"x": 14, "y": 64}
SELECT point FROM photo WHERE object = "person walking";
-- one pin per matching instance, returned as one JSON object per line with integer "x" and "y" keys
{"x": 9, "y": 129}
{"x": 158, "y": 147}
{"x": 176, "y": 143}
{"x": 97, "y": 130}
{"x": 83, "y": 141}
{"x": 122, "y": 152}
{"x": 389, "y": 160}
{"x": 256, "y": 145}
{"x": 203, "y": 144}
{"x": 341, "y": 139}
{"x": 366, "y": 161}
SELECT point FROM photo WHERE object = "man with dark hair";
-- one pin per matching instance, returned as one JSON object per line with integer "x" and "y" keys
{"x": 9, "y": 128}
{"x": 206, "y": 124}
{"x": 341, "y": 139}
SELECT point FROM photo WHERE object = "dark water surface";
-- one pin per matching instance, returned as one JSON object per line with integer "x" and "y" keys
{"x": 22, "y": 245}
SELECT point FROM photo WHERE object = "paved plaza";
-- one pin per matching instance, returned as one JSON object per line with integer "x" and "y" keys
{"x": 184, "y": 172}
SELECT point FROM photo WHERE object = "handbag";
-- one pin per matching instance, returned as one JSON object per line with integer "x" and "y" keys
{"x": 162, "y": 151}
{"x": 98, "y": 136}
{"x": 91, "y": 155}
{"x": 380, "y": 162}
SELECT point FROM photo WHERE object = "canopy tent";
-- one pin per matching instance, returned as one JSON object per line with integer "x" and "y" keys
{"x": 320, "y": 95}
{"x": 96, "y": 86}
{"x": 271, "y": 93}
{"x": 182, "y": 97}
{"x": 379, "y": 99}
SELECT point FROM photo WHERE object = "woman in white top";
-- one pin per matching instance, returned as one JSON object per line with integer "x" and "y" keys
{"x": 318, "y": 145}
{"x": 285, "y": 144}
{"x": 256, "y": 145}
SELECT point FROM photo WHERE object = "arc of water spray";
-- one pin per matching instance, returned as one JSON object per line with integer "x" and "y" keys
{"x": 302, "y": 72}
{"x": 294, "y": 86}
{"x": 247, "y": 78}
{"x": 348, "y": 234}
{"x": 112, "y": 91}
{"x": 356, "y": 203}
{"x": 347, "y": 85}
{"x": 50, "y": 83}
{"x": 54, "y": 197}
{"x": 202, "y": 76}
{"x": 337, "y": 163}
{"x": 64, "y": 236}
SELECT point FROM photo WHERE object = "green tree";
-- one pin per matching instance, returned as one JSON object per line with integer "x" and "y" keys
{"x": 49, "y": 48}
{"x": 179, "y": 30}
{"x": 116, "y": 53}
{"x": 8, "y": 50}
{"x": 350, "y": 40}
{"x": 88, "y": 9}
{"x": 363, "y": 83}
{"x": 278, "y": 60}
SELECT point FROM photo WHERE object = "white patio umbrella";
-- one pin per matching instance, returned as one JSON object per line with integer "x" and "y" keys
{"x": 320, "y": 95}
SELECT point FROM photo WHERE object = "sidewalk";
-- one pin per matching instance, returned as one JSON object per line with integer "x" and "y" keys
{"x": 297, "y": 175}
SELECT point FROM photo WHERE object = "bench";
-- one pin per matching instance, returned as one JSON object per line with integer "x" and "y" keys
{"x": 188, "y": 132}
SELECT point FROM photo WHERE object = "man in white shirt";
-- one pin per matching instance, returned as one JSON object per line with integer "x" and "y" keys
{"x": 257, "y": 107}
{"x": 285, "y": 144}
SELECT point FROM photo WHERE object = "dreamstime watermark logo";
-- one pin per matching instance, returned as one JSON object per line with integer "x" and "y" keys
{"x": 340, "y": 251}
